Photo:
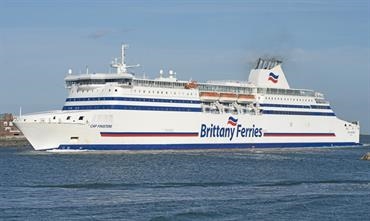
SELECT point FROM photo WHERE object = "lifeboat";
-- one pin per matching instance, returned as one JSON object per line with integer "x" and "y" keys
{"x": 191, "y": 85}
{"x": 209, "y": 96}
{"x": 228, "y": 97}
{"x": 245, "y": 98}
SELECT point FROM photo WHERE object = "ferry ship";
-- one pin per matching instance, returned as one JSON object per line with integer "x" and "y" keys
{"x": 121, "y": 111}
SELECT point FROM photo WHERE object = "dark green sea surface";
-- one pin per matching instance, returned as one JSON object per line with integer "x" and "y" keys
{"x": 288, "y": 184}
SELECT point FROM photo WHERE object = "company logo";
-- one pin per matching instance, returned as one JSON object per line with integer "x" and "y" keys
{"x": 232, "y": 121}
{"x": 231, "y": 130}
{"x": 273, "y": 77}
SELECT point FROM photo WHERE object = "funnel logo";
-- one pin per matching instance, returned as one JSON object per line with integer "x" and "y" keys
{"x": 273, "y": 77}
{"x": 232, "y": 121}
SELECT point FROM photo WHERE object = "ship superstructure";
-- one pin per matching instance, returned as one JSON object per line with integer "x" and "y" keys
{"x": 120, "y": 111}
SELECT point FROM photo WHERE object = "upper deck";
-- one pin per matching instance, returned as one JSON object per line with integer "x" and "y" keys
{"x": 128, "y": 80}
{"x": 266, "y": 80}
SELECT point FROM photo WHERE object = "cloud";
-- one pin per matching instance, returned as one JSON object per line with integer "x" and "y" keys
{"x": 99, "y": 34}
{"x": 105, "y": 32}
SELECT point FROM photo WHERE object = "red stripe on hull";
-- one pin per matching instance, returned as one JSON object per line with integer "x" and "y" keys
{"x": 149, "y": 134}
{"x": 299, "y": 134}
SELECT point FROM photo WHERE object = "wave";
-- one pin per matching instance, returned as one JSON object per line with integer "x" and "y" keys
{"x": 190, "y": 215}
{"x": 296, "y": 183}
{"x": 200, "y": 184}
{"x": 138, "y": 185}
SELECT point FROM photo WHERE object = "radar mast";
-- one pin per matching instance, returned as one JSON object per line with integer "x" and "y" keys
{"x": 122, "y": 66}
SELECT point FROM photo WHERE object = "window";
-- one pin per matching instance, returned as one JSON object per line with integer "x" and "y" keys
{"x": 81, "y": 118}
{"x": 68, "y": 118}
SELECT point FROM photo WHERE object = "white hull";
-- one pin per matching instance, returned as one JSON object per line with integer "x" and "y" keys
{"x": 128, "y": 130}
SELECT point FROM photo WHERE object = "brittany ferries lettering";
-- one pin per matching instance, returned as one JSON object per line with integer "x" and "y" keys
{"x": 121, "y": 111}
{"x": 236, "y": 129}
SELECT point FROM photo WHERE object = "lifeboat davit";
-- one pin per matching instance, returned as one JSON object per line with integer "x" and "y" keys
{"x": 228, "y": 97}
{"x": 246, "y": 98}
{"x": 209, "y": 96}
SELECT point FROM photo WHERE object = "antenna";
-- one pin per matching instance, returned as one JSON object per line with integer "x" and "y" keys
{"x": 123, "y": 48}
{"x": 122, "y": 67}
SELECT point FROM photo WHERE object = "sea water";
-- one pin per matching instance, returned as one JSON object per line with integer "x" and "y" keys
{"x": 260, "y": 184}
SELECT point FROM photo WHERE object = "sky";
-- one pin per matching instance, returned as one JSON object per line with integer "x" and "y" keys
{"x": 324, "y": 45}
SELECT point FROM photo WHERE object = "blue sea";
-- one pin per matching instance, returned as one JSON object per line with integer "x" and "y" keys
{"x": 259, "y": 184}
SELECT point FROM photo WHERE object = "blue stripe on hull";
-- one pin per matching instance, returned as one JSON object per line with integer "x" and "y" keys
{"x": 139, "y": 99}
{"x": 183, "y": 109}
{"x": 298, "y": 113}
{"x": 198, "y": 146}
{"x": 132, "y": 107}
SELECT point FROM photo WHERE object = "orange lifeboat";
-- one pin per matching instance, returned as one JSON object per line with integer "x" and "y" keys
{"x": 191, "y": 85}
{"x": 228, "y": 97}
{"x": 246, "y": 98}
{"x": 209, "y": 96}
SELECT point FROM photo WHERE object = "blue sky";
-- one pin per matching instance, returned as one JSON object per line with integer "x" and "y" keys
{"x": 325, "y": 45}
